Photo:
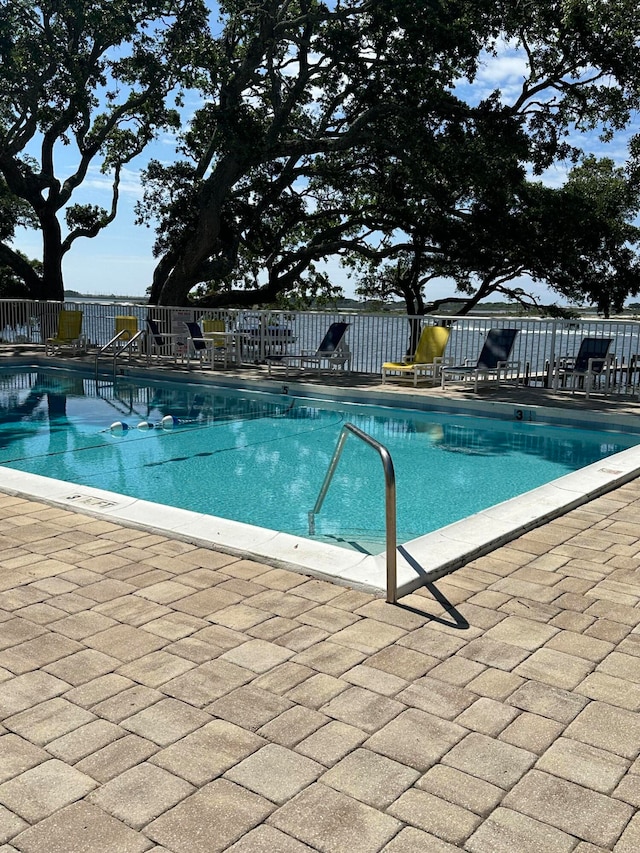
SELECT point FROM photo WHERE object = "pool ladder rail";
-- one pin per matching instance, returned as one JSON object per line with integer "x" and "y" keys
{"x": 120, "y": 344}
{"x": 390, "y": 500}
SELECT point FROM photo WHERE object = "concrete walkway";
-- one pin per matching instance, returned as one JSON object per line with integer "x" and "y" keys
{"x": 159, "y": 696}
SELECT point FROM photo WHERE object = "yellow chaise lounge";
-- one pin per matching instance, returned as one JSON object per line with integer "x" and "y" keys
{"x": 425, "y": 362}
{"x": 69, "y": 337}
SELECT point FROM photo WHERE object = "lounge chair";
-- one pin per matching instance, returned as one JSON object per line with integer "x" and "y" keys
{"x": 69, "y": 337}
{"x": 128, "y": 325}
{"x": 125, "y": 328}
{"x": 592, "y": 362}
{"x": 211, "y": 342}
{"x": 493, "y": 361}
{"x": 426, "y": 361}
{"x": 332, "y": 353}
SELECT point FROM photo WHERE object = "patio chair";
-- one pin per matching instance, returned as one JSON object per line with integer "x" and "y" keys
{"x": 493, "y": 361}
{"x": 219, "y": 343}
{"x": 332, "y": 353}
{"x": 69, "y": 337}
{"x": 125, "y": 328}
{"x": 198, "y": 346}
{"x": 160, "y": 344}
{"x": 425, "y": 362}
{"x": 628, "y": 374}
{"x": 592, "y": 363}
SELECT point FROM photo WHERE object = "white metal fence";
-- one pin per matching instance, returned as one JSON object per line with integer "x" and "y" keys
{"x": 372, "y": 338}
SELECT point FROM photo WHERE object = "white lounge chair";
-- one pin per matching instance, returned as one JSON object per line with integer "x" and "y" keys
{"x": 493, "y": 361}
{"x": 333, "y": 353}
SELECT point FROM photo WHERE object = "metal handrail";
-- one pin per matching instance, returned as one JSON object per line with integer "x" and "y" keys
{"x": 120, "y": 349}
{"x": 390, "y": 500}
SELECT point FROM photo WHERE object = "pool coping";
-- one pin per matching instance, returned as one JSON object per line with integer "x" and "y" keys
{"x": 419, "y": 561}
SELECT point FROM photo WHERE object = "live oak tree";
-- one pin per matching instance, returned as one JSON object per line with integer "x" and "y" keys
{"x": 436, "y": 217}
{"x": 330, "y": 130}
{"x": 94, "y": 77}
{"x": 580, "y": 239}
{"x": 325, "y": 129}
{"x": 290, "y": 89}
{"x": 598, "y": 260}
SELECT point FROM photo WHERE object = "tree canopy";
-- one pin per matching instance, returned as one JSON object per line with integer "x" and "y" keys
{"x": 343, "y": 131}
{"x": 350, "y": 129}
{"x": 580, "y": 239}
{"x": 92, "y": 74}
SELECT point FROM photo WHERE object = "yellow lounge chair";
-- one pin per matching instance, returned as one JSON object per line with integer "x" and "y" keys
{"x": 69, "y": 337}
{"x": 425, "y": 363}
{"x": 126, "y": 324}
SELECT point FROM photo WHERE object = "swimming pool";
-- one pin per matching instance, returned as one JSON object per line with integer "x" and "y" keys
{"x": 260, "y": 458}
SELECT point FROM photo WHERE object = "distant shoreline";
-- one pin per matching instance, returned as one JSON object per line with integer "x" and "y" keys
{"x": 107, "y": 297}
{"x": 502, "y": 309}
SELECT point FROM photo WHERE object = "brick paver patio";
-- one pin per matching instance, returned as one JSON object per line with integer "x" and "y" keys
{"x": 155, "y": 695}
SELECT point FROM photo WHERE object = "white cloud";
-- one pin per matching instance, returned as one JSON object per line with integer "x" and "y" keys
{"x": 130, "y": 183}
{"x": 506, "y": 69}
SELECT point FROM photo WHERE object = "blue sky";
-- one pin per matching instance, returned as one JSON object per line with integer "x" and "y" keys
{"x": 120, "y": 261}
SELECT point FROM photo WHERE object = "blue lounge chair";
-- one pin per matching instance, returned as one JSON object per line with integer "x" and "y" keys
{"x": 493, "y": 362}
{"x": 592, "y": 362}
{"x": 333, "y": 353}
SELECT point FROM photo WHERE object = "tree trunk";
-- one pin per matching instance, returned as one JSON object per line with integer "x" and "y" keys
{"x": 415, "y": 308}
{"x": 180, "y": 270}
{"x": 160, "y": 274}
{"x": 52, "y": 282}
{"x": 23, "y": 269}
{"x": 179, "y": 280}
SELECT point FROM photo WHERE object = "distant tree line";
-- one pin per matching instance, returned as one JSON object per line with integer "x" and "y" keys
{"x": 353, "y": 130}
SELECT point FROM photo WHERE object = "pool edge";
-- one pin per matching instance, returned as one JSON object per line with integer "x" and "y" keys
{"x": 420, "y": 560}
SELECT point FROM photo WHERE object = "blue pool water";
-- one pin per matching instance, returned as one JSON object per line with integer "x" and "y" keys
{"x": 261, "y": 458}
